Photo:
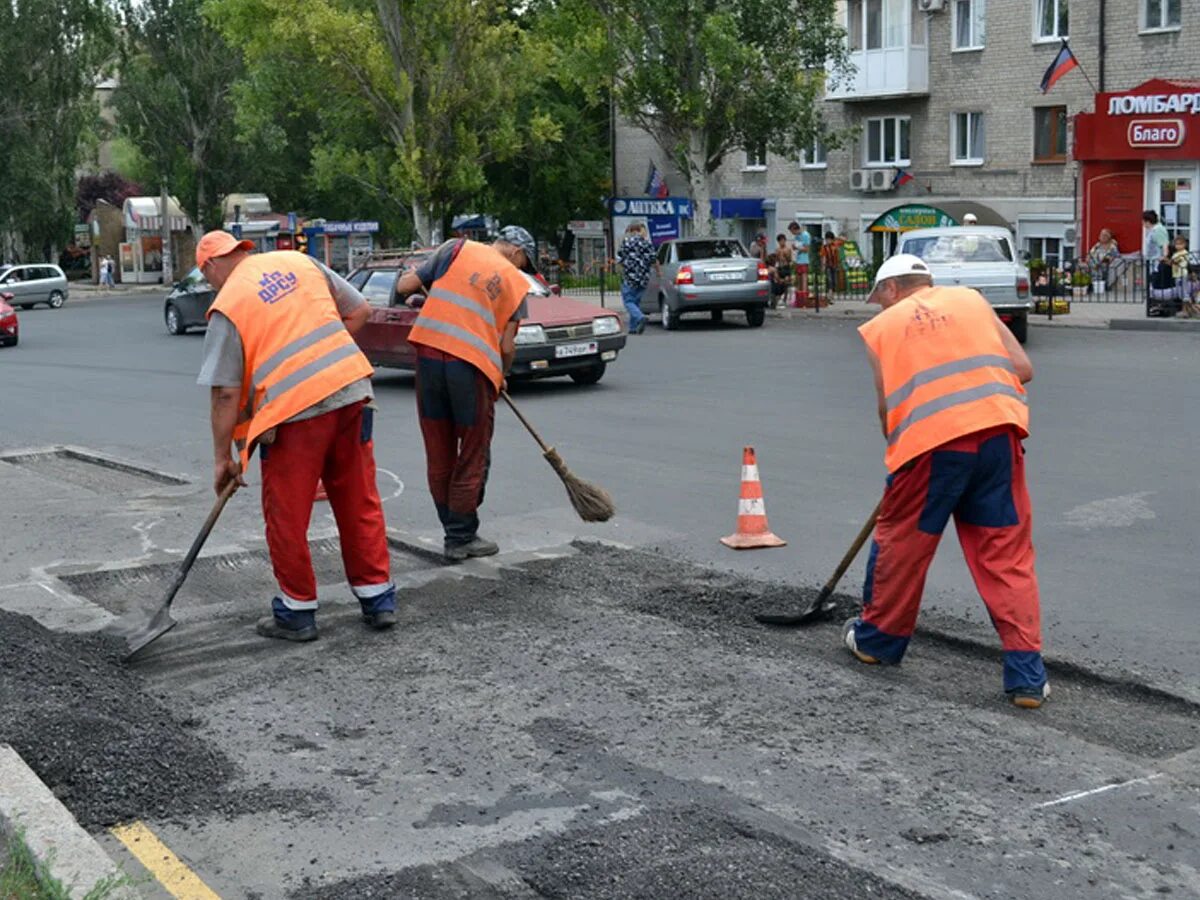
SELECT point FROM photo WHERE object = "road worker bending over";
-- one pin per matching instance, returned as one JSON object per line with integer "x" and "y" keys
{"x": 465, "y": 345}
{"x": 949, "y": 377}
{"x": 287, "y": 376}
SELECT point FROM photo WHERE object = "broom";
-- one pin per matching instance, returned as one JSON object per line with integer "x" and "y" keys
{"x": 591, "y": 502}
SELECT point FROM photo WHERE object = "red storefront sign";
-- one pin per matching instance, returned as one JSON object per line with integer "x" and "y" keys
{"x": 1157, "y": 120}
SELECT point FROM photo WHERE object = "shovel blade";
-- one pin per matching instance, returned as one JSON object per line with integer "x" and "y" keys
{"x": 816, "y": 611}
{"x": 141, "y": 631}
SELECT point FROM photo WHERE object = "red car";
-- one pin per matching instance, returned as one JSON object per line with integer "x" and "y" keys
{"x": 9, "y": 330}
{"x": 561, "y": 336}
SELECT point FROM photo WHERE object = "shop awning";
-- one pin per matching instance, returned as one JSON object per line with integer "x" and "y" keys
{"x": 737, "y": 207}
{"x": 143, "y": 214}
{"x": 920, "y": 215}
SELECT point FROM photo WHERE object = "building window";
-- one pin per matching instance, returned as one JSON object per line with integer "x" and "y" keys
{"x": 1050, "y": 134}
{"x": 1051, "y": 22}
{"x": 1160, "y": 15}
{"x": 967, "y": 138}
{"x": 756, "y": 158}
{"x": 969, "y": 20}
{"x": 1051, "y": 250}
{"x": 876, "y": 24}
{"x": 887, "y": 141}
{"x": 814, "y": 156}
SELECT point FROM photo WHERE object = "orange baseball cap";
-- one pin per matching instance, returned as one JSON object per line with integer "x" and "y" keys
{"x": 218, "y": 243}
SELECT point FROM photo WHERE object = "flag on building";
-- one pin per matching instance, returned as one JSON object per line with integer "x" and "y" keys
{"x": 656, "y": 184}
{"x": 901, "y": 178}
{"x": 1063, "y": 63}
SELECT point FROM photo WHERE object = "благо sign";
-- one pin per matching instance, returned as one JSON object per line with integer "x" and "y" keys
{"x": 1156, "y": 132}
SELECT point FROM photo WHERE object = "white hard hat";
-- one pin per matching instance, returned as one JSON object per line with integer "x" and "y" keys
{"x": 894, "y": 267}
{"x": 970, "y": 219}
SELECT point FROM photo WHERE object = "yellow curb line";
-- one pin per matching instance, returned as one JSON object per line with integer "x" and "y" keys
{"x": 170, "y": 871}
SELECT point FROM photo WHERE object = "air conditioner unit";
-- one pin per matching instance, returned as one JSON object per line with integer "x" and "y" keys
{"x": 931, "y": 5}
{"x": 881, "y": 179}
{"x": 860, "y": 180}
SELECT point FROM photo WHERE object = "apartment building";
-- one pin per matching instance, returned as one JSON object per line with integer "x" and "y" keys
{"x": 948, "y": 92}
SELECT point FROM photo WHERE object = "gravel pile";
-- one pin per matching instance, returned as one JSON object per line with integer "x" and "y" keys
{"x": 82, "y": 722}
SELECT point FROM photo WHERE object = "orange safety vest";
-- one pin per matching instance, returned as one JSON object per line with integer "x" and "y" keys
{"x": 297, "y": 351}
{"x": 946, "y": 373}
{"x": 468, "y": 308}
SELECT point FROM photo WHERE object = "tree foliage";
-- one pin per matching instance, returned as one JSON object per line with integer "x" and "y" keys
{"x": 174, "y": 102}
{"x": 54, "y": 54}
{"x": 111, "y": 187}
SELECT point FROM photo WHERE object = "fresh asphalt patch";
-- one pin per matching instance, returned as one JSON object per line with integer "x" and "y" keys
{"x": 609, "y": 723}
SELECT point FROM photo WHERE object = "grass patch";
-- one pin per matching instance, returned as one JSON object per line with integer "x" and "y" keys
{"x": 24, "y": 877}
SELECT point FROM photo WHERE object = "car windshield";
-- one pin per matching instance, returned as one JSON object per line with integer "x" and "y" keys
{"x": 192, "y": 279}
{"x": 960, "y": 248}
{"x": 689, "y": 250}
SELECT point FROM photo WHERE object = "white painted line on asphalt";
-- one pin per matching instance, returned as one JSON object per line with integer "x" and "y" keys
{"x": 1078, "y": 795}
{"x": 143, "y": 529}
{"x": 396, "y": 478}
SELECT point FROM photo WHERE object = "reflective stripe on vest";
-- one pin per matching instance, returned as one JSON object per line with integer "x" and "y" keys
{"x": 296, "y": 348}
{"x": 469, "y": 307}
{"x": 946, "y": 372}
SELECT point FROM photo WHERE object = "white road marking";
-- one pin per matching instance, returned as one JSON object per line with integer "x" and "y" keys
{"x": 1112, "y": 512}
{"x": 1078, "y": 795}
{"x": 143, "y": 529}
{"x": 396, "y": 478}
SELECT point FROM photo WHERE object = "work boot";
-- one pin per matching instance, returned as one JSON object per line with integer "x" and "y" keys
{"x": 380, "y": 611}
{"x": 288, "y": 624}
{"x": 476, "y": 547}
{"x": 852, "y": 644}
{"x": 1029, "y": 698}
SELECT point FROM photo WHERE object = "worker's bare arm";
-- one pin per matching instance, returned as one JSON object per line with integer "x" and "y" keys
{"x": 1016, "y": 353}
{"x": 408, "y": 287}
{"x": 508, "y": 345}
{"x": 356, "y": 319}
{"x": 224, "y": 413}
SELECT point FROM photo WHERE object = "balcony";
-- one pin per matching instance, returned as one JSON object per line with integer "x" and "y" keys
{"x": 887, "y": 72}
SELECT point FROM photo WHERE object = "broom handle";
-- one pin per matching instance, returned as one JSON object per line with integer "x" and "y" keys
{"x": 524, "y": 421}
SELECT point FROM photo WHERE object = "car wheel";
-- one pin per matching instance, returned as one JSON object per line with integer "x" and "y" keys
{"x": 174, "y": 320}
{"x": 590, "y": 375}
{"x": 1020, "y": 328}
{"x": 718, "y": 315}
{"x": 670, "y": 318}
{"x": 56, "y": 300}
{"x": 755, "y": 316}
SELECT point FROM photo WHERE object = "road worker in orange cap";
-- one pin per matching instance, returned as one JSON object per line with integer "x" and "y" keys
{"x": 950, "y": 379}
{"x": 286, "y": 376}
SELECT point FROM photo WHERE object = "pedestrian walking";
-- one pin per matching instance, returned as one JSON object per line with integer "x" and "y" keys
{"x": 949, "y": 378}
{"x": 801, "y": 244}
{"x": 1155, "y": 241}
{"x": 636, "y": 256}
{"x": 465, "y": 344}
{"x": 286, "y": 376}
{"x": 106, "y": 272}
{"x": 831, "y": 262}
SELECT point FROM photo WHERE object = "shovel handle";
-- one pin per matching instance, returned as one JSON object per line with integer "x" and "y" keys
{"x": 524, "y": 421}
{"x": 198, "y": 543}
{"x": 865, "y": 533}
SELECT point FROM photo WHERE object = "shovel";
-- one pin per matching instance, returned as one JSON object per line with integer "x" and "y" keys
{"x": 821, "y": 606}
{"x": 138, "y": 631}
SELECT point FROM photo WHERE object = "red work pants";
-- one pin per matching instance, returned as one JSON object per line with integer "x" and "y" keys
{"x": 335, "y": 447}
{"x": 980, "y": 481}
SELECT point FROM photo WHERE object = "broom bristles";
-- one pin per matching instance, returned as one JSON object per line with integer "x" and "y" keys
{"x": 591, "y": 502}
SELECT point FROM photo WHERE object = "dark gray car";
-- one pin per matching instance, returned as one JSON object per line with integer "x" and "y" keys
{"x": 34, "y": 283}
{"x": 709, "y": 274}
{"x": 187, "y": 304}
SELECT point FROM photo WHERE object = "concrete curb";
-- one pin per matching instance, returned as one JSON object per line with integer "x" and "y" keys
{"x": 69, "y": 853}
{"x": 1174, "y": 325}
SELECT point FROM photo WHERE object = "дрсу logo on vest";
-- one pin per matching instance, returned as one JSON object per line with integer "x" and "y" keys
{"x": 276, "y": 285}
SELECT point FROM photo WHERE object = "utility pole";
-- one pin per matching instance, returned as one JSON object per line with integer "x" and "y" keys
{"x": 164, "y": 203}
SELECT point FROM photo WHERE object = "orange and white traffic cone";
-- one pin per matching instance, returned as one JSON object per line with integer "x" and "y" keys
{"x": 752, "y": 528}
{"x": 321, "y": 495}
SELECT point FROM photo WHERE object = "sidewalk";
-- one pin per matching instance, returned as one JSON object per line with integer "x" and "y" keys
{"x": 86, "y": 288}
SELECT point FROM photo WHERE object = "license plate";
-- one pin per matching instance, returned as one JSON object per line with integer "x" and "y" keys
{"x": 724, "y": 276}
{"x": 562, "y": 351}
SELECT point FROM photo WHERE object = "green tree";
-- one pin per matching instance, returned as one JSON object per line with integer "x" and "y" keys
{"x": 174, "y": 102}
{"x": 709, "y": 77}
{"x": 54, "y": 54}
{"x": 440, "y": 78}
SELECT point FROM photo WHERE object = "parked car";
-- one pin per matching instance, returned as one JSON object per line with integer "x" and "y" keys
{"x": 9, "y": 329}
{"x": 34, "y": 283}
{"x": 710, "y": 275}
{"x": 187, "y": 304}
{"x": 560, "y": 336}
{"x": 978, "y": 257}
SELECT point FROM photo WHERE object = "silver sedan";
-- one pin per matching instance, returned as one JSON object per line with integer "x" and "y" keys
{"x": 709, "y": 274}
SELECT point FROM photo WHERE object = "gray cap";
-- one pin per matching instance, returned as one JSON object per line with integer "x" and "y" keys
{"x": 519, "y": 237}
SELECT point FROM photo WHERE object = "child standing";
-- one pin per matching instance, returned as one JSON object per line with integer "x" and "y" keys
{"x": 1179, "y": 272}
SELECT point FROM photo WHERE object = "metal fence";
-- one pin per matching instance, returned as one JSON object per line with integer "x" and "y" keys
{"x": 596, "y": 280}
